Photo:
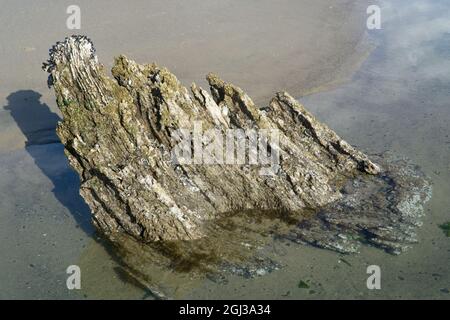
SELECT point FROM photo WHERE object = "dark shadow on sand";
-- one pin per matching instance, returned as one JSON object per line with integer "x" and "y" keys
{"x": 38, "y": 124}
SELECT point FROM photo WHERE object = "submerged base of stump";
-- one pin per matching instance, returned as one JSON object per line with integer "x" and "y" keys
{"x": 169, "y": 220}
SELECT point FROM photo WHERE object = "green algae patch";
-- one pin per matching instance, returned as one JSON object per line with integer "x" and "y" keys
{"x": 446, "y": 228}
{"x": 303, "y": 285}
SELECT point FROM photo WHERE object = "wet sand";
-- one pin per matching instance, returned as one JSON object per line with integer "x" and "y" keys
{"x": 397, "y": 100}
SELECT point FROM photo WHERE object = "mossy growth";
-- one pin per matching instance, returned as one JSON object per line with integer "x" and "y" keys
{"x": 446, "y": 228}
{"x": 303, "y": 285}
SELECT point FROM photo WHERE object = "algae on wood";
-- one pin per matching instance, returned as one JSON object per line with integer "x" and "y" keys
{"x": 119, "y": 135}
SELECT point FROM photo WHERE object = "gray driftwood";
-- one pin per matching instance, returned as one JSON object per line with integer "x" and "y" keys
{"x": 119, "y": 134}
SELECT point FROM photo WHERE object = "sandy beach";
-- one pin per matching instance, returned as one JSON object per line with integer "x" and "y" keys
{"x": 365, "y": 85}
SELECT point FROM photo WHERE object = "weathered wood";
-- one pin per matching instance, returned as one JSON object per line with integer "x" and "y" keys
{"x": 120, "y": 134}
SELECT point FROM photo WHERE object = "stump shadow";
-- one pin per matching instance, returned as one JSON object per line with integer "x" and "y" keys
{"x": 38, "y": 124}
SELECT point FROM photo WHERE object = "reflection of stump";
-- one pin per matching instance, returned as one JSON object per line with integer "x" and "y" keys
{"x": 120, "y": 136}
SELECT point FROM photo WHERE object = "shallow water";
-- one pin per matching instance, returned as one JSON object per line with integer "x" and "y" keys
{"x": 400, "y": 101}
{"x": 397, "y": 101}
